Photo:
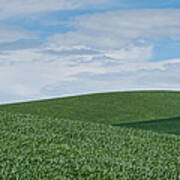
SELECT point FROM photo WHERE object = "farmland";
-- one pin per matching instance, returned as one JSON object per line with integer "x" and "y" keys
{"x": 101, "y": 136}
{"x": 128, "y": 108}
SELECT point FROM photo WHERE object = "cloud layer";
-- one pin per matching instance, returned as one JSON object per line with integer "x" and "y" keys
{"x": 10, "y": 8}
{"x": 106, "y": 51}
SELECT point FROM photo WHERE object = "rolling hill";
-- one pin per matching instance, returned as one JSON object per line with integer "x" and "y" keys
{"x": 98, "y": 136}
{"x": 111, "y": 108}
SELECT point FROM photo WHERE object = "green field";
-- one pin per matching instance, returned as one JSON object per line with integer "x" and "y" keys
{"x": 111, "y": 108}
{"x": 171, "y": 125}
{"x": 123, "y": 135}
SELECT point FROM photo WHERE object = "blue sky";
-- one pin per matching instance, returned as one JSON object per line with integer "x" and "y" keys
{"x": 59, "y": 47}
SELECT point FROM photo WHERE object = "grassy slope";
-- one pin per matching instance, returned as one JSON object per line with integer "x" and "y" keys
{"x": 49, "y": 148}
{"x": 111, "y": 108}
{"x": 41, "y": 146}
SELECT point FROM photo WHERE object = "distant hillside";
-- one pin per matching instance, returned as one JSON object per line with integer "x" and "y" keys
{"x": 96, "y": 136}
{"x": 109, "y": 108}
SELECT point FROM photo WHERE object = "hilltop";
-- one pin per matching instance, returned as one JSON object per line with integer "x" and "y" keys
{"x": 115, "y": 109}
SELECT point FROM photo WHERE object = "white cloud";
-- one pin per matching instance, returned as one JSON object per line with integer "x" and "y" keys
{"x": 33, "y": 73}
{"x": 121, "y": 28}
{"x": 25, "y": 72}
{"x": 108, "y": 51}
{"x": 133, "y": 53}
{"x": 10, "y": 34}
{"x": 134, "y": 23}
{"x": 10, "y": 8}
{"x": 17, "y": 7}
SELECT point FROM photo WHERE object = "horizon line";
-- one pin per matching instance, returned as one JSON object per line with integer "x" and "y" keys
{"x": 87, "y": 93}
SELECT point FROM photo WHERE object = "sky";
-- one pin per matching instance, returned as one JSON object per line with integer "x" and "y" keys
{"x": 66, "y": 47}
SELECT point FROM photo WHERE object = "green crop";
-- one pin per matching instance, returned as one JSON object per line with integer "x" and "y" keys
{"x": 100, "y": 136}
{"x": 109, "y": 108}
{"x": 118, "y": 108}
{"x": 50, "y": 148}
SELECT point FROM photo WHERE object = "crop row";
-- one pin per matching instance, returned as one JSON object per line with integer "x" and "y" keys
{"x": 49, "y": 148}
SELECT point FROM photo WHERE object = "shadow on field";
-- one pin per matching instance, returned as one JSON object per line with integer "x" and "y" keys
{"x": 170, "y": 125}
